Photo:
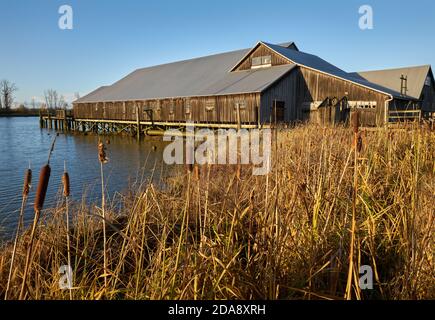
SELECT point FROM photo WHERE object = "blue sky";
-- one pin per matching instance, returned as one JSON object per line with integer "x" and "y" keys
{"x": 112, "y": 38}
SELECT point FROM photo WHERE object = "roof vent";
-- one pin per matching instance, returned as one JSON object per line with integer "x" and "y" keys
{"x": 289, "y": 45}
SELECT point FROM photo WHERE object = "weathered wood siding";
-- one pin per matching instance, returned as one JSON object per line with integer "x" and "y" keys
{"x": 259, "y": 52}
{"x": 217, "y": 109}
{"x": 303, "y": 86}
{"x": 428, "y": 98}
{"x": 287, "y": 90}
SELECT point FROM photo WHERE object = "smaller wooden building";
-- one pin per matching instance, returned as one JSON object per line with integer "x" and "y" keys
{"x": 416, "y": 82}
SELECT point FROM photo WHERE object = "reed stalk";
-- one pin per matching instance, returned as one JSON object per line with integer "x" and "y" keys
{"x": 351, "y": 271}
{"x": 41, "y": 192}
{"x": 26, "y": 190}
{"x": 217, "y": 238}
{"x": 103, "y": 160}
{"x": 66, "y": 193}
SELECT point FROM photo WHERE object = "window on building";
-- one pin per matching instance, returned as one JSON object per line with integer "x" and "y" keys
{"x": 156, "y": 107}
{"x": 210, "y": 105}
{"x": 256, "y": 61}
{"x": 266, "y": 60}
{"x": 362, "y": 104}
{"x": 240, "y": 104}
{"x": 428, "y": 81}
{"x": 261, "y": 62}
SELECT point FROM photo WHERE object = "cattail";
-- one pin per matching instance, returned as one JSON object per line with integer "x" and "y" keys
{"x": 41, "y": 191}
{"x": 66, "y": 193}
{"x": 102, "y": 153}
{"x": 356, "y": 122}
{"x": 65, "y": 182}
{"x": 27, "y": 182}
{"x": 103, "y": 159}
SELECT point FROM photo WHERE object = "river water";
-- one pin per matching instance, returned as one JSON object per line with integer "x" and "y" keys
{"x": 22, "y": 142}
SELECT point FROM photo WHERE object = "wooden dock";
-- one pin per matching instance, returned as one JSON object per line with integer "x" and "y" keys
{"x": 63, "y": 120}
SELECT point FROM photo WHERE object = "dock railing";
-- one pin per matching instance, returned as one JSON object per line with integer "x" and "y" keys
{"x": 404, "y": 115}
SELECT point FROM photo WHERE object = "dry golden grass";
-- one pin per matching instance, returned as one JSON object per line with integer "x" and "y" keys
{"x": 283, "y": 236}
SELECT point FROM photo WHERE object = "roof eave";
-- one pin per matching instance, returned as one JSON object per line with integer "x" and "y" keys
{"x": 178, "y": 97}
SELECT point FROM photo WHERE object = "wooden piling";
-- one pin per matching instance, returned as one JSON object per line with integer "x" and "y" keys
{"x": 138, "y": 122}
{"x": 41, "y": 120}
{"x": 239, "y": 125}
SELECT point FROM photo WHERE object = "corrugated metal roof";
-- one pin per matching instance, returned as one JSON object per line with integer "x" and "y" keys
{"x": 314, "y": 62}
{"x": 209, "y": 75}
{"x": 197, "y": 77}
{"x": 390, "y": 78}
{"x": 95, "y": 92}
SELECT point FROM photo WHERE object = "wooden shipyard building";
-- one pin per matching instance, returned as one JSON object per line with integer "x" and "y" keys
{"x": 266, "y": 84}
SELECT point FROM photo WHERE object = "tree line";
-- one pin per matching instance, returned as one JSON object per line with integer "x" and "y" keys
{"x": 52, "y": 99}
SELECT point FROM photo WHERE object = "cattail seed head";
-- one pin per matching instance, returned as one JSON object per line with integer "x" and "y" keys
{"x": 27, "y": 182}
{"x": 65, "y": 182}
{"x": 41, "y": 191}
{"x": 102, "y": 153}
{"x": 355, "y": 122}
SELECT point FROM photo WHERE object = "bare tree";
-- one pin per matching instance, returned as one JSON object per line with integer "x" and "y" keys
{"x": 33, "y": 103}
{"x": 7, "y": 90}
{"x": 51, "y": 99}
{"x": 62, "y": 104}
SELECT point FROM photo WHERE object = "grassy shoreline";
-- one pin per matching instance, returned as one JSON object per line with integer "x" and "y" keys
{"x": 16, "y": 113}
{"x": 287, "y": 235}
